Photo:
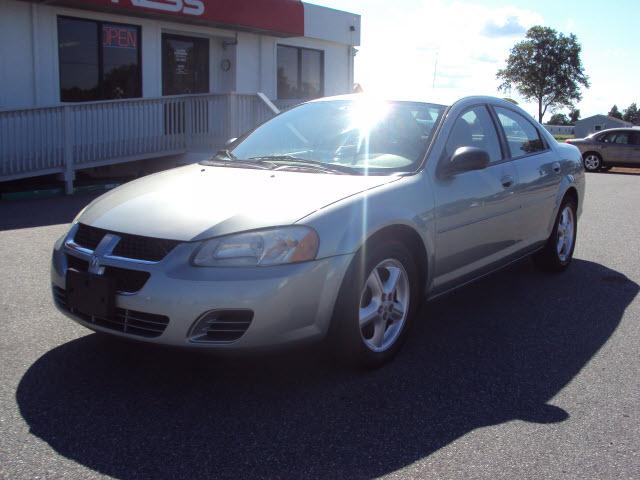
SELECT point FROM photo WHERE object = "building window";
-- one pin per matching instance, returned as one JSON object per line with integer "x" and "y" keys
{"x": 98, "y": 60}
{"x": 300, "y": 73}
{"x": 185, "y": 65}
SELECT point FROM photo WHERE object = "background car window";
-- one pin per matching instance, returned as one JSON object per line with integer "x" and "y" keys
{"x": 616, "y": 137}
{"x": 474, "y": 128}
{"x": 523, "y": 138}
{"x": 622, "y": 138}
{"x": 635, "y": 138}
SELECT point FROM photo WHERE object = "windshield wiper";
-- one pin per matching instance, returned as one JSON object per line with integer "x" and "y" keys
{"x": 224, "y": 158}
{"x": 291, "y": 161}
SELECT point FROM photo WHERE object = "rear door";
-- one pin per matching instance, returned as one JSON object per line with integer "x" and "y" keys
{"x": 616, "y": 146}
{"x": 539, "y": 174}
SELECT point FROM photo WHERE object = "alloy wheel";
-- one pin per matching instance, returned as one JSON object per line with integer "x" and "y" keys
{"x": 566, "y": 233}
{"x": 384, "y": 305}
{"x": 592, "y": 162}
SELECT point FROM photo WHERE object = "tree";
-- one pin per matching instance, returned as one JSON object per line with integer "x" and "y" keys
{"x": 545, "y": 67}
{"x": 574, "y": 116}
{"x": 615, "y": 113}
{"x": 631, "y": 114}
{"x": 559, "y": 119}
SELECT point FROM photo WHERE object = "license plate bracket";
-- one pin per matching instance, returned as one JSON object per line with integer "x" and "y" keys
{"x": 90, "y": 294}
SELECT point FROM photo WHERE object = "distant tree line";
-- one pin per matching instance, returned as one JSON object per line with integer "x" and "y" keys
{"x": 630, "y": 114}
{"x": 564, "y": 119}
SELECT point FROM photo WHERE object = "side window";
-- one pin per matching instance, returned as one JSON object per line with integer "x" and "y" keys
{"x": 635, "y": 138}
{"x": 622, "y": 138}
{"x": 474, "y": 128}
{"x": 523, "y": 138}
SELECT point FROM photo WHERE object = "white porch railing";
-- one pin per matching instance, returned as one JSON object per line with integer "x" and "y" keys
{"x": 62, "y": 139}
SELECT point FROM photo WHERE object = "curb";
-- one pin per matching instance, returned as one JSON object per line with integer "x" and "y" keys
{"x": 56, "y": 191}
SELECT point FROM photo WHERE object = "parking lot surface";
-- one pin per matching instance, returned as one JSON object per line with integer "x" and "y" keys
{"x": 520, "y": 375}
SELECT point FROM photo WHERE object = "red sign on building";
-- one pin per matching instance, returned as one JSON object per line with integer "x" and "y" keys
{"x": 116, "y": 36}
{"x": 277, "y": 17}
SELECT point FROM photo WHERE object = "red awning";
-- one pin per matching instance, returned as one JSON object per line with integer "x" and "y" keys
{"x": 277, "y": 17}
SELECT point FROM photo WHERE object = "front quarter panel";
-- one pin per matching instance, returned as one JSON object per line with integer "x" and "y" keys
{"x": 344, "y": 226}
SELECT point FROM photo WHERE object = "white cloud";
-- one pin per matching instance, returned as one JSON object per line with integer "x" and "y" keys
{"x": 401, "y": 40}
{"x": 470, "y": 42}
{"x": 511, "y": 27}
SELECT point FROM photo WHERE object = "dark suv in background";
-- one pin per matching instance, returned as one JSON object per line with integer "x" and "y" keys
{"x": 609, "y": 148}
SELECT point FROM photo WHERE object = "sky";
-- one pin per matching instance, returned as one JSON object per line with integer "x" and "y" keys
{"x": 402, "y": 40}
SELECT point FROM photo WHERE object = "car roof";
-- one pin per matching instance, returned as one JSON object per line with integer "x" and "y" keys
{"x": 617, "y": 129}
{"x": 434, "y": 97}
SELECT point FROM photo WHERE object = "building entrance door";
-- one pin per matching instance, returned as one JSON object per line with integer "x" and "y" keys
{"x": 185, "y": 65}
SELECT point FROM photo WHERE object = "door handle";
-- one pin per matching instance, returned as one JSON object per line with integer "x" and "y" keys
{"x": 556, "y": 167}
{"x": 507, "y": 181}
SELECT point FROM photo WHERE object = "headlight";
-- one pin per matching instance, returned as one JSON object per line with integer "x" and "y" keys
{"x": 259, "y": 248}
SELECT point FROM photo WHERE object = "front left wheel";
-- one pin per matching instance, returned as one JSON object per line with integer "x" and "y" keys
{"x": 592, "y": 162}
{"x": 375, "y": 307}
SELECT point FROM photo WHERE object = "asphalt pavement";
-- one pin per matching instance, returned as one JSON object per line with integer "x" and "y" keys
{"x": 520, "y": 375}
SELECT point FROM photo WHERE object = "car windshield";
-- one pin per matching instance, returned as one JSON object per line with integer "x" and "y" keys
{"x": 361, "y": 136}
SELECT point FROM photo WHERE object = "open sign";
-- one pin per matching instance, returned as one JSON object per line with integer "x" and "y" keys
{"x": 116, "y": 36}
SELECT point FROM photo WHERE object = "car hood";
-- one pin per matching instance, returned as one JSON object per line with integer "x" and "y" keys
{"x": 196, "y": 202}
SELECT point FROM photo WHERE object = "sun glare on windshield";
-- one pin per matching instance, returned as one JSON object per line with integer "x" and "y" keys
{"x": 364, "y": 115}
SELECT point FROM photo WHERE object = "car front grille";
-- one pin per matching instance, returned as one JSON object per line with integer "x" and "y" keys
{"x": 132, "y": 322}
{"x": 127, "y": 281}
{"x": 129, "y": 246}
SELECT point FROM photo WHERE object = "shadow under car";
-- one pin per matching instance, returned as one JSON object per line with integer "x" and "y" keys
{"x": 495, "y": 351}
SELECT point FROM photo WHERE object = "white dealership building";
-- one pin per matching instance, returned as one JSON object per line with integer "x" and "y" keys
{"x": 95, "y": 82}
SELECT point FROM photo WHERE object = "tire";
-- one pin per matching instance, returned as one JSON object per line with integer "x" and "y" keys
{"x": 557, "y": 253}
{"x": 592, "y": 162}
{"x": 385, "y": 316}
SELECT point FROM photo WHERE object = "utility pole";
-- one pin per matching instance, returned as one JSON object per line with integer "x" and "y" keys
{"x": 435, "y": 70}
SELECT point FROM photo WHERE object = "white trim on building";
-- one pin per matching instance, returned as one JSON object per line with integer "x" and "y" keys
{"x": 29, "y": 51}
{"x": 116, "y": 112}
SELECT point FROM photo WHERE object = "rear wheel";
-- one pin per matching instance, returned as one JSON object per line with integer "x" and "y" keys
{"x": 592, "y": 162}
{"x": 558, "y": 251}
{"x": 375, "y": 306}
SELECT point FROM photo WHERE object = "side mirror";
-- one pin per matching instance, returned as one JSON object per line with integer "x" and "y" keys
{"x": 465, "y": 159}
{"x": 230, "y": 141}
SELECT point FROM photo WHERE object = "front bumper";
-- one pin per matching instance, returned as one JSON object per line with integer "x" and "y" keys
{"x": 290, "y": 303}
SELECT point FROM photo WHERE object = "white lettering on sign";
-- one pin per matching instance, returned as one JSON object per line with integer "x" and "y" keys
{"x": 188, "y": 7}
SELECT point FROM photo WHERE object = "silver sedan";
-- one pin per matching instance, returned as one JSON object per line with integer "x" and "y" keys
{"x": 333, "y": 220}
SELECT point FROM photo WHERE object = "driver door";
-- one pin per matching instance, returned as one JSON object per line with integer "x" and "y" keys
{"x": 476, "y": 211}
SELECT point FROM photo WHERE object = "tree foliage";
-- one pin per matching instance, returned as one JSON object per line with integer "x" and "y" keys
{"x": 559, "y": 119}
{"x": 574, "y": 116}
{"x": 614, "y": 112}
{"x": 545, "y": 67}
{"x": 631, "y": 114}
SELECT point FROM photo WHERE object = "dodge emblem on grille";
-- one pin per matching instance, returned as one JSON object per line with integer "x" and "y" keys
{"x": 94, "y": 265}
